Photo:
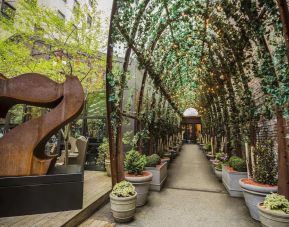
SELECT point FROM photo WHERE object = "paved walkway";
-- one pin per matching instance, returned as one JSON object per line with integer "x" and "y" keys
{"x": 192, "y": 197}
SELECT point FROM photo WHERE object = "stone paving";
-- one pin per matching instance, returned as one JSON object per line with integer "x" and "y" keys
{"x": 192, "y": 197}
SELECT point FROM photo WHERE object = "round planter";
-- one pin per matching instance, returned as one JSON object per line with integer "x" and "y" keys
{"x": 107, "y": 167}
{"x": 174, "y": 154}
{"x": 218, "y": 174}
{"x": 272, "y": 218}
{"x": 167, "y": 160}
{"x": 255, "y": 194}
{"x": 141, "y": 184}
{"x": 168, "y": 155}
{"x": 214, "y": 163}
{"x": 123, "y": 208}
{"x": 210, "y": 156}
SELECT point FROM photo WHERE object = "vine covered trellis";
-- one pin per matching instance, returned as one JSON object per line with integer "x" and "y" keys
{"x": 204, "y": 54}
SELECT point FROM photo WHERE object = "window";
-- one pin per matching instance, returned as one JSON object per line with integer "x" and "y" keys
{"x": 7, "y": 10}
{"x": 89, "y": 20}
{"x": 61, "y": 15}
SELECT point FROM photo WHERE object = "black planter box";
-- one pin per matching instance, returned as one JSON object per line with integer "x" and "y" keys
{"x": 60, "y": 190}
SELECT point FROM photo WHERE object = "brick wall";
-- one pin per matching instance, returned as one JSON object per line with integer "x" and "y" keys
{"x": 267, "y": 128}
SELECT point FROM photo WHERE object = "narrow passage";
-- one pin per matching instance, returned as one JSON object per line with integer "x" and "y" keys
{"x": 192, "y": 197}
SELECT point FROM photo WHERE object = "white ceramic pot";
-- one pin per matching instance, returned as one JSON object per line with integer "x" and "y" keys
{"x": 142, "y": 185}
{"x": 160, "y": 173}
{"x": 272, "y": 218}
{"x": 255, "y": 194}
{"x": 218, "y": 174}
{"x": 123, "y": 208}
{"x": 231, "y": 181}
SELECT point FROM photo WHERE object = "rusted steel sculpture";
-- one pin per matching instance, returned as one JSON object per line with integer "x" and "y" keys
{"x": 22, "y": 150}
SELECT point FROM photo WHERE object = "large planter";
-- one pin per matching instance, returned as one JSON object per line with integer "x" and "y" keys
{"x": 231, "y": 179}
{"x": 218, "y": 173}
{"x": 254, "y": 194}
{"x": 107, "y": 167}
{"x": 272, "y": 218}
{"x": 123, "y": 208}
{"x": 214, "y": 163}
{"x": 174, "y": 153}
{"x": 160, "y": 173}
{"x": 210, "y": 156}
{"x": 168, "y": 155}
{"x": 141, "y": 184}
{"x": 165, "y": 159}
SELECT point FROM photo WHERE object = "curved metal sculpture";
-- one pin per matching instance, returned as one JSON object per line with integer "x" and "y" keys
{"x": 22, "y": 149}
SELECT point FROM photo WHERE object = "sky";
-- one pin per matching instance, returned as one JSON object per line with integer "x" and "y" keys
{"x": 105, "y": 6}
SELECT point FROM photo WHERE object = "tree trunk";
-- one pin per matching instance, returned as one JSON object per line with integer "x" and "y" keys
{"x": 284, "y": 16}
{"x": 283, "y": 171}
{"x": 109, "y": 103}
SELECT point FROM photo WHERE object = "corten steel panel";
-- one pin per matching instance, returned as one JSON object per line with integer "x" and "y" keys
{"x": 22, "y": 150}
{"x": 60, "y": 190}
{"x": 191, "y": 120}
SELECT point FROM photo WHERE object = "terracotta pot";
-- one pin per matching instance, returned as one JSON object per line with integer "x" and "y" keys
{"x": 231, "y": 179}
{"x": 255, "y": 194}
{"x": 107, "y": 167}
{"x": 160, "y": 173}
{"x": 272, "y": 218}
{"x": 123, "y": 208}
{"x": 141, "y": 184}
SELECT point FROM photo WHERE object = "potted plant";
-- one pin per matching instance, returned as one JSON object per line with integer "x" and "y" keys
{"x": 123, "y": 201}
{"x": 218, "y": 170}
{"x": 264, "y": 179}
{"x": 168, "y": 154}
{"x": 163, "y": 157}
{"x": 104, "y": 156}
{"x": 134, "y": 164}
{"x": 207, "y": 147}
{"x": 159, "y": 171}
{"x": 232, "y": 173}
{"x": 274, "y": 211}
{"x": 219, "y": 157}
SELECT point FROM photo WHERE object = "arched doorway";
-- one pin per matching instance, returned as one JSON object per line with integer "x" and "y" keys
{"x": 191, "y": 125}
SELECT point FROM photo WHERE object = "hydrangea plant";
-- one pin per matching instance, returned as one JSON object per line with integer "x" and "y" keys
{"x": 134, "y": 162}
{"x": 276, "y": 202}
{"x": 221, "y": 156}
{"x": 153, "y": 160}
{"x": 219, "y": 166}
{"x": 238, "y": 164}
{"x": 123, "y": 189}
